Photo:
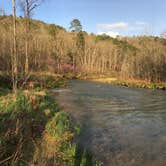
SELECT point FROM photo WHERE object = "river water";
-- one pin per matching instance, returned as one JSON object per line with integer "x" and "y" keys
{"x": 121, "y": 126}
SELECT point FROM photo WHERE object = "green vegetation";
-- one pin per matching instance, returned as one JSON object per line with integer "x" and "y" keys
{"x": 138, "y": 84}
{"x": 120, "y": 43}
{"x": 128, "y": 83}
{"x": 5, "y": 81}
{"x": 33, "y": 130}
{"x": 75, "y": 25}
{"x": 33, "y": 81}
{"x": 46, "y": 81}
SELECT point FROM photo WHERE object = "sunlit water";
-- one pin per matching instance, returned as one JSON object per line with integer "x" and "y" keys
{"x": 122, "y": 126}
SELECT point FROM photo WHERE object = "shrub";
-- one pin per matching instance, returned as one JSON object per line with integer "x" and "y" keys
{"x": 59, "y": 125}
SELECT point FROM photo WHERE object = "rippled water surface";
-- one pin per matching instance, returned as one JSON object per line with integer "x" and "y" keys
{"x": 122, "y": 126}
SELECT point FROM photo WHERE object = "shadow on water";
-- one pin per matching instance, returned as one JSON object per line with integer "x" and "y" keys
{"x": 83, "y": 154}
{"x": 82, "y": 117}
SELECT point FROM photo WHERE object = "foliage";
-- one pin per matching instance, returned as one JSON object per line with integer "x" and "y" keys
{"x": 4, "y": 92}
{"x": 45, "y": 81}
{"x": 138, "y": 84}
{"x": 34, "y": 129}
{"x": 103, "y": 37}
{"x": 80, "y": 41}
{"x": 120, "y": 43}
{"x": 5, "y": 81}
{"x": 53, "y": 29}
{"x": 28, "y": 117}
{"x": 75, "y": 25}
{"x": 59, "y": 125}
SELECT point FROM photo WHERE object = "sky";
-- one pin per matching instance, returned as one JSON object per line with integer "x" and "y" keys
{"x": 112, "y": 17}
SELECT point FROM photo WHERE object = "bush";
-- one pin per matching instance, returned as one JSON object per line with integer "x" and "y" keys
{"x": 5, "y": 82}
{"x": 45, "y": 81}
{"x": 59, "y": 125}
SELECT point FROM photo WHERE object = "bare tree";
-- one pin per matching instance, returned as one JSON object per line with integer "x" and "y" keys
{"x": 14, "y": 56}
{"x": 28, "y": 6}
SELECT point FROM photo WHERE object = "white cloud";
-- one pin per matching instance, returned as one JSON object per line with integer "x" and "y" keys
{"x": 123, "y": 28}
{"x": 114, "y": 26}
{"x": 111, "y": 29}
{"x": 109, "y": 33}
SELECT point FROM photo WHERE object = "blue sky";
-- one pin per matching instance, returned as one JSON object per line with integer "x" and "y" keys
{"x": 123, "y": 17}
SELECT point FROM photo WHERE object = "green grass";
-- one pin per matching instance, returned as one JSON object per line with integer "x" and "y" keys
{"x": 4, "y": 91}
{"x": 34, "y": 130}
{"x": 135, "y": 84}
{"x": 29, "y": 116}
{"x": 59, "y": 124}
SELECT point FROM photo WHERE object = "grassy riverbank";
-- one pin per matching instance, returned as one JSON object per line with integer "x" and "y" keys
{"x": 132, "y": 83}
{"x": 122, "y": 82}
{"x": 35, "y": 131}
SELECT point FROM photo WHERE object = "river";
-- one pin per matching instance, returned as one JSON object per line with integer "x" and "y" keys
{"x": 121, "y": 126}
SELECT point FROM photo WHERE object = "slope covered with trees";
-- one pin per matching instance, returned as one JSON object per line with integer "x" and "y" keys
{"x": 52, "y": 48}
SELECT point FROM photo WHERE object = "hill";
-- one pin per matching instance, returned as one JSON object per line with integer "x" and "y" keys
{"x": 52, "y": 48}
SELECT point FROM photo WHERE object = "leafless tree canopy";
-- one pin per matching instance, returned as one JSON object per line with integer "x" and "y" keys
{"x": 28, "y": 6}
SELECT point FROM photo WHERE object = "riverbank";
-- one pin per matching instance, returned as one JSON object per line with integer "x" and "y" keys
{"x": 127, "y": 83}
{"x": 34, "y": 129}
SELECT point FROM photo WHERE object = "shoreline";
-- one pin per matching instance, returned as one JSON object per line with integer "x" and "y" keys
{"x": 129, "y": 83}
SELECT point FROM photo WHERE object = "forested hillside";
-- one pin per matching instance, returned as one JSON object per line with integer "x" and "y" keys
{"x": 54, "y": 49}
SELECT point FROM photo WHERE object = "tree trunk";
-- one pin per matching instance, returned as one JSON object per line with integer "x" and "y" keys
{"x": 14, "y": 56}
{"x": 27, "y": 45}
